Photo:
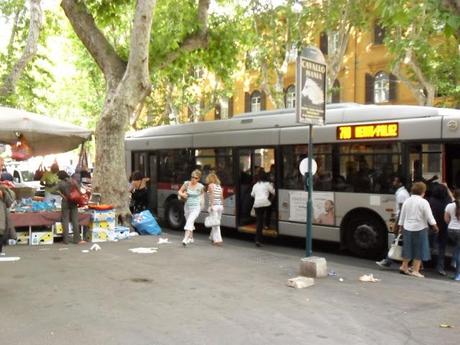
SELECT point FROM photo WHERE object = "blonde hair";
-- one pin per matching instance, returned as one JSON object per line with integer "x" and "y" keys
{"x": 196, "y": 173}
{"x": 212, "y": 178}
{"x": 418, "y": 188}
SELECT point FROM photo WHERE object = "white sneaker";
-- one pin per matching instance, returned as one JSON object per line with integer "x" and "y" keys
{"x": 190, "y": 240}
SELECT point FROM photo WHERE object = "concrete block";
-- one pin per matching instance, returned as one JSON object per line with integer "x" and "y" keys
{"x": 314, "y": 267}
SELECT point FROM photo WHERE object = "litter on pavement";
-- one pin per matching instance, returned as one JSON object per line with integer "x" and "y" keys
{"x": 95, "y": 247}
{"x": 85, "y": 251}
{"x": 300, "y": 282}
{"x": 10, "y": 258}
{"x": 142, "y": 250}
{"x": 163, "y": 240}
{"x": 445, "y": 325}
{"x": 368, "y": 278}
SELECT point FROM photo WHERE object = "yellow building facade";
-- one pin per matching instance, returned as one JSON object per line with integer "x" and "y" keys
{"x": 364, "y": 77}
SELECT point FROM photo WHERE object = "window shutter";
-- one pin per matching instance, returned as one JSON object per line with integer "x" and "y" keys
{"x": 323, "y": 43}
{"x": 217, "y": 112}
{"x": 263, "y": 101}
{"x": 285, "y": 96}
{"x": 247, "y": 102}
{"x": 379, "y": 33}
{"x": 369, "y": 89}
{"x": 393, "y": 87}
{"x": 230, "y": 107}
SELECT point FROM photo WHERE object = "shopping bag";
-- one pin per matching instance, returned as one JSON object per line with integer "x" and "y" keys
{"x": 77, "y": 197}
{"x": 21, "y": 150}
{"x": 145, "y": 223}
{"x": 395, "y": 252}
{"x": 211, "y": 220}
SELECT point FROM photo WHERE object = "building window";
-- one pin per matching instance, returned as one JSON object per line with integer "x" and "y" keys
{"x": 223, "y": 108}
{"x": 335, "y": 92}
{"x": 256, "y": 101}
{"x": 333, "y": 42}
{"x": 381, "y": 87}
{"x": 379, "y": 34}
{"x": 290, "y": 97}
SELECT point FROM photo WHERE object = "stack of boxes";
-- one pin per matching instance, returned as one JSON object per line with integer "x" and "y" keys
{"x": 102, "y": 226}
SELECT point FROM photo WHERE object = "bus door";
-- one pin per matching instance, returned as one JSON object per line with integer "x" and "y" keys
{"x": 250, "y": 160}
{"x": 153, "y": 190}
{"x": 452, "y": 165}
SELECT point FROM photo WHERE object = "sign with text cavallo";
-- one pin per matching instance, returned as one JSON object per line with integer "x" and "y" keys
{"x": 310, "y": 90}
{"x": 368, "y": 131}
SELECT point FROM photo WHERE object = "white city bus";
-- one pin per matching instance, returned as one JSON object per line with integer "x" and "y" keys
{"x": 358, "y": 151}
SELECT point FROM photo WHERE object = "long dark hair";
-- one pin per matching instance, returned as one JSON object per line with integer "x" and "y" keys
{"x": 457, "y": 203}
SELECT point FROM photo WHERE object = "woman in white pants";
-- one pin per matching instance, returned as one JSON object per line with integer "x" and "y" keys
{"x": 192, "y": 192}
{"x": 216, "y": 207}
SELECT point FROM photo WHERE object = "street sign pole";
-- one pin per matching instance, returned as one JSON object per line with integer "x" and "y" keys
{"x": 310, "y": 109}
{"x": 308, "y": 244}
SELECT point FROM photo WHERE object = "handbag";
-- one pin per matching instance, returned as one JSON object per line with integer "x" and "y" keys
{"x": 211, "y": 221}
{"x": 39, "y": 173}
{"x": 395, "y": 252}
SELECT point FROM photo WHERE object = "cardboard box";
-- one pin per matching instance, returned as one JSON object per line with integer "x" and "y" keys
{"x": 39, "y": 238}
{"x": 100, "y": 235}
{"x": 22, "y": 237}
{"x": 104, "y": 224}
{"x": 121, "y": 232}
{"x": 59, "y": 229}
{"x": 103, "y": 216}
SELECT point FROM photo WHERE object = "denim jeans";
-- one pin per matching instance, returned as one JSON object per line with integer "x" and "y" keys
{"x": 454, "y": 234}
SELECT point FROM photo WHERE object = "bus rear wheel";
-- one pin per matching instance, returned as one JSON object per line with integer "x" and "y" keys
{"x": 365, "y": 236}
{"x": 174, "y": 214}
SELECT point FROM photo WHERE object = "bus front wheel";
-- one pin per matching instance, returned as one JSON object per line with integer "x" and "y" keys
{"x": 174, "y": 214}
{"x": 366, "y": 236}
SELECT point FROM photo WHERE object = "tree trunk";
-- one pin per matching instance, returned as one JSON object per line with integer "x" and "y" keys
{"x": 30, "y": 50}
{"x": 127, "y": 86}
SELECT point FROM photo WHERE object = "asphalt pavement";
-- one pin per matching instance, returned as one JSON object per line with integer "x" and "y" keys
{"x": 203, "y": 294}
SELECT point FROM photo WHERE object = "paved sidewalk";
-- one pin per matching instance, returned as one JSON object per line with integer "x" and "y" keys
{"x": 204, "y": 294}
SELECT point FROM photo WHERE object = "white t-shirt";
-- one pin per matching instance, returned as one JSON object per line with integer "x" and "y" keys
{"x": 401, "y": 195}
{"x": 454, "y": 222}
{"x": 260, "y": 192}
{"x": 415, "y": 214}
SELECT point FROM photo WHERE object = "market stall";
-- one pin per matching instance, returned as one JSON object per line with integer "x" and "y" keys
{"x": 30, "y": 135}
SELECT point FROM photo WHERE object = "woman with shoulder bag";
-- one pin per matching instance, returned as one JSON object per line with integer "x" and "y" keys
{"x": 414, "y": 220}
{"x": 191, "y": 191}
{"x": 216, "y": 207}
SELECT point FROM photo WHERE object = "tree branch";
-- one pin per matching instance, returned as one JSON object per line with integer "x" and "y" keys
{"x": 193, "y": 42}
{"x": 111, "y": 65}
{"x": 35, "y": 25}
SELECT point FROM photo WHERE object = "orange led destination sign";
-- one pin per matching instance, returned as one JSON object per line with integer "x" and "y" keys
{"x": 368, "y": 131}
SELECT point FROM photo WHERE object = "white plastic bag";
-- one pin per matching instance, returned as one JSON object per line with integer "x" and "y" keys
{"x": 395, "y": 252}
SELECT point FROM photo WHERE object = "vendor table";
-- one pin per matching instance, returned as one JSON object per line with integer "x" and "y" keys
{"x": 31, "y": 219}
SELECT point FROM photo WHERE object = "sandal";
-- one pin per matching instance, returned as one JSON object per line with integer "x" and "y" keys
{"x": 417, "y": 274}
{"x": 407, "y": 273}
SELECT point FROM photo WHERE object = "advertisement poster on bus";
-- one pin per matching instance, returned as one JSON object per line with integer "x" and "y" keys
{"x": 323, "y": 207}
{"x": 311, "y": 89}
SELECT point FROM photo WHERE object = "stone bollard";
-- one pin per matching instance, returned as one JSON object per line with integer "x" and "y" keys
{"x": 313, "y": 266}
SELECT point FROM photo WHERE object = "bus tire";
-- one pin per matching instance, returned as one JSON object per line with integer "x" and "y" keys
{"x": 174, "y": 214}
{"x": 366, "y": 235}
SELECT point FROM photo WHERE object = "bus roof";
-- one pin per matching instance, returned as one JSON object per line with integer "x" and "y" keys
{"x": 335, "y": 114}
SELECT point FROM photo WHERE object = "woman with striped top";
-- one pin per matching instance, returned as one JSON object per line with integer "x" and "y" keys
{"x": 192, "y": 192}
{"x": 216, "y": 207}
